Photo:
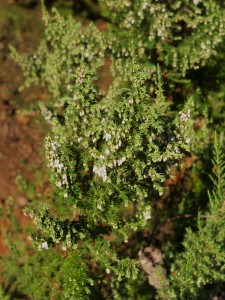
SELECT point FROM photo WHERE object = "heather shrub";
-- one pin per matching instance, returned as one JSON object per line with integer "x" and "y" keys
{"x": 116, "y": 156}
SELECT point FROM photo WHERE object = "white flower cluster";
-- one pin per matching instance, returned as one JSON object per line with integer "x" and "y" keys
{"x": 206, "y": 47}
{"x": 56, "y": 164}
{"x": 107, "y": 152}
{"x": 184, "y": 117}
{"x": 147, "y": 213}
{"x": 63, "y": 182}
{"x": 177, "y": 149}
{"x": 80, "y": 77}
{"x": 101, "y": 172}
{"x": 116, "y": 163}
{"x": 131, "y": 101}
{"x": 54, "y": 161}
{"x": 188, "y": 140}
{"x": 118, "y": 145}
{"x": 108, "y": 137}
{"x": 99, "y": 207}
{"x": 130, "y": 20}
{"x": 196, "y": 2}
{"x": 46, "y": 113}
{"x": 184, "y": 125}
{"x": 120, "y": 161}
{"x": 43, "y": 245}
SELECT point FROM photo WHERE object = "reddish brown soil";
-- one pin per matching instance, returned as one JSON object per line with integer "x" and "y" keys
{"x": 20, "y": 135}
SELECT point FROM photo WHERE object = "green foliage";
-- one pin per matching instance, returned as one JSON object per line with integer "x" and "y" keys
{"x": 198, "y": 271}
{"x": 107, "y": 159}
{"x": 2, "y": 297}
{"x": 182, "y": 34}
{"x": 60, "y": 52}
{"x": 111, "y": 153}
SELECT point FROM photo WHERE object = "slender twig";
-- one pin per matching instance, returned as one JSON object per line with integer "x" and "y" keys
{"x": 185, "y": 216}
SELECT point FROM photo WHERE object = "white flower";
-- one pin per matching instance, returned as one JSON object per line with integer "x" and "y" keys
{"x": 107, "y": 152}
{"x": 196, "y": 2}
{"x": 123, "y": 159}
{"x": 64, "y": 177}
{"x": 188, "y": 140}
{"x": 101, "y": 172}
{"x": 131, "y": 101}
{"x": 99, "y": 207}
{"x": 59, "y": 184}
{"x": 65, "y": 195}
{"x": 203, "y": 46}
{"x": 43, "y": 245}
{"x": 147, "y": 213}
{"x": 54, "y": 146}
{"x": 120, "y": 161}
{"x": 108, "y": 271}
{"x": 115, "y": 163}
{"x": 183, "y": 116}
{"x": 108, "y": 136}
{"x": 177, "y": 150}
